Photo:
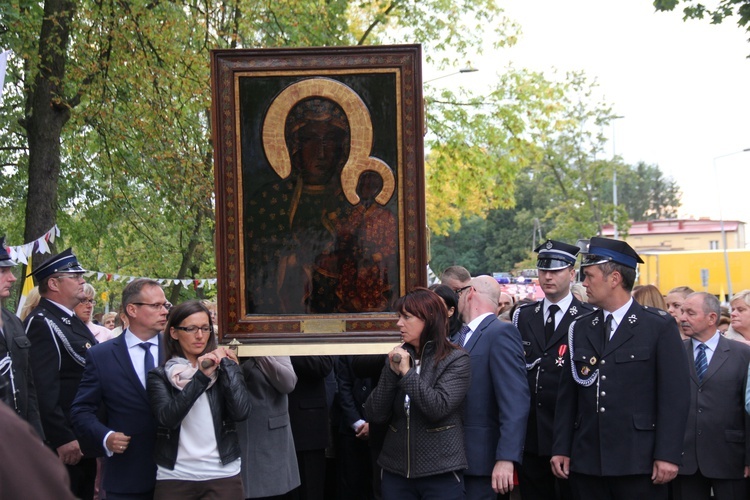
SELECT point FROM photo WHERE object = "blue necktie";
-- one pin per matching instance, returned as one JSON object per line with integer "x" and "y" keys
{"x": 462, "y": 335}
{"x": 148, "y": 358}
{"x": 701, "y": 362}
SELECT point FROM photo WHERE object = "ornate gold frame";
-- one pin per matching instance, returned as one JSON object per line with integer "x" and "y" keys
{"x": 315, "y": 72}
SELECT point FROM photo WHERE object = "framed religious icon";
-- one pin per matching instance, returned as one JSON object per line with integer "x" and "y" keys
{"x": 319, "y": 172}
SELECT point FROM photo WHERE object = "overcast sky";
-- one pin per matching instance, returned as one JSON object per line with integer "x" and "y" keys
{"x": 682, "y": 87}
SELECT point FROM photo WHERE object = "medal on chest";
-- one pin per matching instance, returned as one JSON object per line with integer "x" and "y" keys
{"x": 560, "y": 361}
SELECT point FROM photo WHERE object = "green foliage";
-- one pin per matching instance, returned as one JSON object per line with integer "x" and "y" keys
{"x": 716, "y": 13}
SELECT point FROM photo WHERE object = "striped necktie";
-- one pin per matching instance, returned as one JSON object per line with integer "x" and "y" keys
{"x": 462, "y": 335}
{"x": 701, "y": 362}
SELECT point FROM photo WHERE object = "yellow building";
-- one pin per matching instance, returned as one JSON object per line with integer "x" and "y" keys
{"x": 681, "y": 234}
{"x": 686, "y": 252}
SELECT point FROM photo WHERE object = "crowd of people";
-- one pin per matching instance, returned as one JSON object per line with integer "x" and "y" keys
{"x": 600, "y": 390}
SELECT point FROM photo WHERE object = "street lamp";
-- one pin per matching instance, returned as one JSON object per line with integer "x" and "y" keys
{"x": 721, "y": 221}
{"x": 462, "y": 70}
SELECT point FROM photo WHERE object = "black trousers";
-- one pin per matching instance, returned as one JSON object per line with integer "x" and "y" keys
{"x": 698, "y": 487}
{"x": 82, "y": 478}
{"x": 537, "y": 481}
{"x": 635, "y": 487}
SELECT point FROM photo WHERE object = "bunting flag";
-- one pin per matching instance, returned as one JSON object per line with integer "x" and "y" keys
{"x": 28, "y": 284}
{"x": 22, "y": 254}
{"x": 3, "y": 66}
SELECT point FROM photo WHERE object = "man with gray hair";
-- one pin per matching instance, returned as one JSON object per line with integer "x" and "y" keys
{"x": 717, "y": 438}
{"x": 497, "y": 404}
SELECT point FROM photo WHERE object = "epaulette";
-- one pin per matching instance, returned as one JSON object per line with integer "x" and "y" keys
{"x": 586, "y": 314}
{"x": 517, "y": 312}
{"x": 656, "y": 310}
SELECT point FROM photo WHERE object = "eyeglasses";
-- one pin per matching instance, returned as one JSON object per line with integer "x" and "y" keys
{"x": 155, "y": 307}
{"x": 88, "y": 301}
{"x": 192, "y": 329}
{"x": 461, "y": 290}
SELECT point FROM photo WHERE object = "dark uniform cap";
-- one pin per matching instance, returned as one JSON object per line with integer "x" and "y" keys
{"x": 5, "y": 260}
{"x": 603, "y": 250}
{"x": 555, "y": 255}
{"x": 64, "y": 262}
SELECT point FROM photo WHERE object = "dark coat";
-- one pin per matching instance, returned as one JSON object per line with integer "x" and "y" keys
{"x": 227, "y": 398}
{"x": 717, "y": 439}
{"x": 60, "y": 342}
{"x": 111, "y": 381}
{"x": 635, "y": 412}
{"x": 308, "y": 406}
{"x": 545, "y": 362}
{"x": 18, "y": 345}
{"x": 427, "y": 439}
{"x": 497, "y": 404}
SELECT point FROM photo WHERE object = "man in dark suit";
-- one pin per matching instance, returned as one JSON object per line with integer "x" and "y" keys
{"x": 59, "y": 341}
{"x": 544, "y": 331}
{"x": 497, "y": 404}
{"x": 717, "y": 439}
{"x": 621, "y": 408}
{"x": 16, "y": 390}
{"x": 115, "y": 377}
{"x": 308, "y": 414}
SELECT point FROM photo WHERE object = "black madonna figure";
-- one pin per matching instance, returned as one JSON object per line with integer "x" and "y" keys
{"x": 293, "y": 266}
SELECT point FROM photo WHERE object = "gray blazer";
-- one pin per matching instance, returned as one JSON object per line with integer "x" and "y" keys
{"x": 716, "y": 438}
{"x": 269, "y": 463}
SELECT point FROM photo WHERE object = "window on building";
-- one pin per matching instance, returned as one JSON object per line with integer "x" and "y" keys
{"x": 713, "y": 245}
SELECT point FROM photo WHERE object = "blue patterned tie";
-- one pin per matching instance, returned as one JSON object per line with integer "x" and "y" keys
{"x": 462, "y": 335}
{"x": 148, "y": 358}
{"x": 701, "y": 362}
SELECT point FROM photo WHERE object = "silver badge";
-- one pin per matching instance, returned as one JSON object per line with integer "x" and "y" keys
{"x": 65, "y": 320}
{"x": 595, "y": 322}
{"x": 632, "y": 319}
{"x": 538, "y": 306}
{"x": 573, "y": 311}
{"x": 548, "y": 245}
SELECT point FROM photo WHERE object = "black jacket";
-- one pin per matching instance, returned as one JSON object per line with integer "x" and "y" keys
{"x": 15, "y": 343}
{"x": 227, "y": 398}
{"x": 427, "y": 439}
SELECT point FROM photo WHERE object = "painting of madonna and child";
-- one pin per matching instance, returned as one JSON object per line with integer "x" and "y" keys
{"x": 320, "y": 162}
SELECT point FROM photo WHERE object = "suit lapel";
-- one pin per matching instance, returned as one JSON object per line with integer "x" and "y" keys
{"x": 476, "y": 335}
{"x": 536, "y": 325}
{"x": 568, "y": 317}
{"x": 721, "y": 354}
{"x": 691, "y": 358}
{"x": 625, "y": 330}
{"x": 123, "y": 358}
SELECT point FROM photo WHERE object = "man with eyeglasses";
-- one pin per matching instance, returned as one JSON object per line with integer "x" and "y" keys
{"x": 115, "y": 377}
{"x": 456, "y": 277}
{"x": 544, "y": 330}
{"x": 59, "y": 341}
{"x": 622, "y": 405}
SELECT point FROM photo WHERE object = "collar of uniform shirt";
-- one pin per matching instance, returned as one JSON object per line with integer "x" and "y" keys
{"x": 564, "y": 304}
{"x": 618, "y": 315}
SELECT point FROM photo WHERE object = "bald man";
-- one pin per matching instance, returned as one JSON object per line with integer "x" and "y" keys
{"x": 497, "y": 404}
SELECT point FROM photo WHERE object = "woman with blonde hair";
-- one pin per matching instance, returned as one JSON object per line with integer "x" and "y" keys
{"x": 739, "y": 328}
{"x": 649, "y": 296}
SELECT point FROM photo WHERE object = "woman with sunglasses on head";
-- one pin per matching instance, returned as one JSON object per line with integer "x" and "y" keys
{"x": 197, "y": 395}
{"x": 420, "y": 396}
